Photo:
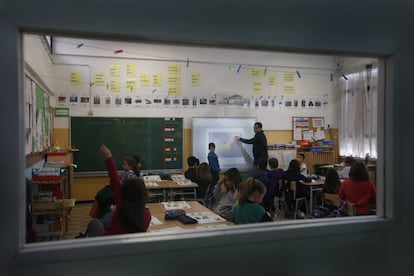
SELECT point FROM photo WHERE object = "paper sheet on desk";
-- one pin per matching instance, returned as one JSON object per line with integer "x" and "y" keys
{"x": 171, "y": 205}
{"x": 155, "y": 221}
{"x": 206, "y": 217}
{"x": 214, "y": 226}
{"x": 152, "y": 178}
{"x": 151, "y": 184}
{"x": 183, "y": 182}
{"x": 169, "y": 229}
{"x": 178, "y": 177}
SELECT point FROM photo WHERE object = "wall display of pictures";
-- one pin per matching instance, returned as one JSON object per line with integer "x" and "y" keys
{"x": 152, "y": 101}
{"x": 308, "y": 128}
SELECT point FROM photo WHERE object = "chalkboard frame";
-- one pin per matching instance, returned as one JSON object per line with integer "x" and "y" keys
{"x": 159, "y": 142}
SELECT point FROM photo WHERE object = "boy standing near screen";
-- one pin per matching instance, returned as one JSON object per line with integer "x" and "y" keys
{"x": 213, "y": 162}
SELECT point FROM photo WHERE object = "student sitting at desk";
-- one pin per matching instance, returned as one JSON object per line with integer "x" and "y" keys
{"x": 191, "y": 172}
{"x": 130, "y": 215}
{"x": 274, "y": 186}
{"x": 344, "y": 171}
{"x": 331, "y": 186}
{"x": 301, "y": 159}
{"x": 293, "y": 174}
{"x": 225, "y": 194}
{"x": 359, "y": 189}
{"x": 204, "y": 180}
{"x": 248, "y": 209}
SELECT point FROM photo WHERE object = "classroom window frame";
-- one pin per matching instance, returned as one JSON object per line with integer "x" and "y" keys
{"x": 160, "y": 242}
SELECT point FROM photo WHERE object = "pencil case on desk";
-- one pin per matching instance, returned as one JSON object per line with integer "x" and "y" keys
{"x": 179, "y": 215}
{"x": 186, "y": 219}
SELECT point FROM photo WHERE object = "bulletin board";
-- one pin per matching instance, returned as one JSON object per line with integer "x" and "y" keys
{"x": 308, "y": 128}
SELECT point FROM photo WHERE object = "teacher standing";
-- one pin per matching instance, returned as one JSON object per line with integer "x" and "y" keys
{"x": 259, "y": 142}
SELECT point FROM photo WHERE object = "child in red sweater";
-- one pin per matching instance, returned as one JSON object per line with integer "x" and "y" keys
{"x": 358, "y": 189}
{"x": 130, "y": 216}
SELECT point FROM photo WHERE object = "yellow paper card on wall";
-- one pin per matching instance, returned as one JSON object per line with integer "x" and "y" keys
{"x": 272, "y": 81}
{"x": 174, "y": 80}
{"x": 257, "y": 87}
{"x": 100, "y": 79}
{"x": 289, "y": 77}
{"x": 174, "y": 91}
{"x": 115, "y": 85}
{"x": 156, "y": 80}
{"x": 75, "y": 78}
{"x": 195, "y": 79}
{"x": 131, "y": 85}
{"x": 115, "y": 70}
{"x": 289, "y": 89}
{"x": 131, "y": 70}
{"x": 174, "y": 69}
{"x": 257, "y": 73}
{"x": 144, "y": 80}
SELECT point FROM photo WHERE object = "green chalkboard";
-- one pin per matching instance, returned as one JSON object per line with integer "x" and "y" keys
{"x": 157, "y": 141}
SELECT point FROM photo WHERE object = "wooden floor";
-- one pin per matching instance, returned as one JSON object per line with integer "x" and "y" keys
{"x": 79, "y": 219}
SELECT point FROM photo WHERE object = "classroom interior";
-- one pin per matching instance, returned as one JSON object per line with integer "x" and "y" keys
{"x": 298, "y": 97}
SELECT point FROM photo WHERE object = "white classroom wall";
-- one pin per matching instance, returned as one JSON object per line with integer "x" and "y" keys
{"x": 219, "y": 75}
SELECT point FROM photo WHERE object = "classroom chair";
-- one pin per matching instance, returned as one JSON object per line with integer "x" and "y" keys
{"x": 347, "y": 207}
{"x": 298, "y": 200}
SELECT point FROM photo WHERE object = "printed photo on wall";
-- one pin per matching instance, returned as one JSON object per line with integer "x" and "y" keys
{"x": 84, "y": 100}
{"x": 194, "y": 101}
{"x": 73, "y": 100}
{"x": 295, "y": 103}
{"x": 265, "y": 103}
{"x": 212, "y": 101}
{"x": 318, "y": 103}
{"x": 62, "y": 100}
{"x": 288, "y": 103}
{"x": 167, "y": 102}
{"x": 157, "y": 101}
{"x": 118, "y": 101}
{"x": 128, "y": 101}
{"x": 303, "y": 103}
{"x": 203, "y": 102}
{"x": 97, "y": 100}
{"x": 311, "y": 103}
{"x": 148, "y": 101}
{"x": 108, "y": 100}
{"x": 176, "y": 102}
{"x": 137, "y": 101}
{"x": 280, "y": 102}
{"x": 185, "y": 102}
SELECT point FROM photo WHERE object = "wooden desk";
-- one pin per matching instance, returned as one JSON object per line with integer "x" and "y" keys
{"x": 314, "y": 186}
{"x": 160, "y": 189}
{"x": 179, "y": 188}
{"x": 172, "y": 188}
{"x": 158, "y": 211}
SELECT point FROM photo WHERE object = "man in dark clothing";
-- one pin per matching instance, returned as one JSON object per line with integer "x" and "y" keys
{"x": 259, "y": 142}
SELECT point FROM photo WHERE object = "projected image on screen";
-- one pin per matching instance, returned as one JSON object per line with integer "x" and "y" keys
{"x": 221, "y": 132}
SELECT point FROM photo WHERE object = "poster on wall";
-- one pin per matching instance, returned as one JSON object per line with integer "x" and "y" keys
{"x": 107, "y": 100}
{"x": 137, "y": 101}
{"x": 97, "y": 101}
{"x": 157, "y": 101}
{"x": 118, "y": 101}
{"x": 128, "y": 101}
{"x": 62, "y": 100}
{"x": 73, "y": 100}
{"x": 84, "y": 100}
